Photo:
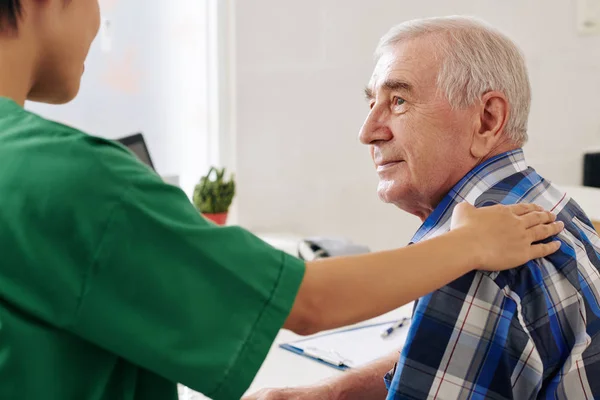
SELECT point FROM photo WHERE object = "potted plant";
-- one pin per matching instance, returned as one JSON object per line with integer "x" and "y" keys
{"x": 213, "y": 195}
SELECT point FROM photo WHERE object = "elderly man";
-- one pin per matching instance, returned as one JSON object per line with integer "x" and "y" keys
{"x": 449, "y": 102}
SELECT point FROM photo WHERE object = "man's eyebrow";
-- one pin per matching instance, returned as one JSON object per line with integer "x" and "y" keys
{"x": 392, "y": 85}
{"x": 397, "y": 85}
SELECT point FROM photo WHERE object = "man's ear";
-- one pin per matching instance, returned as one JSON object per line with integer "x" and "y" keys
{"x": 493, "y": 114}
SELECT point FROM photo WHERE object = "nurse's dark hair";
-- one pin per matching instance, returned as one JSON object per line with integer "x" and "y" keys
{"x": 10, "y": 12}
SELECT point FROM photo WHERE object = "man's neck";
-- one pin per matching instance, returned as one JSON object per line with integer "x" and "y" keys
{"x": 501, "y": 148}
{"x": 17, "y": 63}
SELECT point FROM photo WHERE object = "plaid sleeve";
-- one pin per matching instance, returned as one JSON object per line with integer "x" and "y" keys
{"x": 467, "y": 342}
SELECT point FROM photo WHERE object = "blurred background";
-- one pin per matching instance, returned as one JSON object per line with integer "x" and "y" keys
{"x": 273, "y": 91}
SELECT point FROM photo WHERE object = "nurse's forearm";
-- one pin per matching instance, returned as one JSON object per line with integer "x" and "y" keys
{"x": 345, "y": 290}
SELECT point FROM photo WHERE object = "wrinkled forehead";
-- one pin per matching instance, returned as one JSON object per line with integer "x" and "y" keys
{"x": 413, "y": 61}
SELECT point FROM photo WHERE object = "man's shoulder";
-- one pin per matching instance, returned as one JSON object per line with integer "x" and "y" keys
{"x": 530, "y": 187}
{"x": 525, "y": 186}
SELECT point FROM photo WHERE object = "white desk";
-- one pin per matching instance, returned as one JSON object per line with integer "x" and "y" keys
{"x": 283, "y": 368}
{"x": 286, "y": 369}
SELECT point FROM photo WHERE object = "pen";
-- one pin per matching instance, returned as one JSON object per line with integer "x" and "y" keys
{"x": 392, "y": 328}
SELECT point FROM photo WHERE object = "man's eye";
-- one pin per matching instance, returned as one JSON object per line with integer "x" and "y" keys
{"x": 371, "y": 105}
{"x": 398, "y": 101}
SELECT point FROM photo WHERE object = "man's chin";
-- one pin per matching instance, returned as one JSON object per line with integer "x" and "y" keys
{"x": 390, "y": 193}
{"x": 405, "y": 199}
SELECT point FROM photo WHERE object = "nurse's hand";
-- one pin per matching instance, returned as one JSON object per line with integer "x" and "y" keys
{"x": 505, "y": 236}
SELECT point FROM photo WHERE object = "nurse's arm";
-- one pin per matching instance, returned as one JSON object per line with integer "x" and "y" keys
{"x": 344, "y": 290}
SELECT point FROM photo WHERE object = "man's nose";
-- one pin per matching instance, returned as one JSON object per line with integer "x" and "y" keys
{"x": 375, "y": 128}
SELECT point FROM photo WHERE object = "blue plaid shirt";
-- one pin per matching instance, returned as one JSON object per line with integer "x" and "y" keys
{"x": 526, "y": 333}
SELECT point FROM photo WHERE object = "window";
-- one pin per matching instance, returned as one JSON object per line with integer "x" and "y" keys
{"x": 155, "y": 68}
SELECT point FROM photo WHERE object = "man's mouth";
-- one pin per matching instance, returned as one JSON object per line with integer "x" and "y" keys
{"x": 387, "y": 165}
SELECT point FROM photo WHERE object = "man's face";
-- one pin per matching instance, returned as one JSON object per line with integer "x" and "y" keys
{"x": 64, "y": 30}
{"x": 419, "y": 144}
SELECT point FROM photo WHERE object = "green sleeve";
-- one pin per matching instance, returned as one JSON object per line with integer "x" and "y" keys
{"x": 193, "y": 302}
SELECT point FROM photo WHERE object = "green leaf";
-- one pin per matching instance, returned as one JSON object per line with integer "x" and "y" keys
{"x": 213, "y": 194}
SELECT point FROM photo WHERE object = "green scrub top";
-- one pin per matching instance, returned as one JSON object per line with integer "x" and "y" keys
{"x": 113, "y": 286}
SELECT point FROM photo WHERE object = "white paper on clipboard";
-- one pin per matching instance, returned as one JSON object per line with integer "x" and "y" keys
{"x": 356, "y": 346}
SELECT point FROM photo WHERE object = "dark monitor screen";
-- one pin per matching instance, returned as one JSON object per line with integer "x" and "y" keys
{"x": 137, "y": 145}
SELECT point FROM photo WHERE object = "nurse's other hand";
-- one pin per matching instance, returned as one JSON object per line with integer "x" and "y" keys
{"x": 504, "y": 237}
{"x": 322, "y": 392}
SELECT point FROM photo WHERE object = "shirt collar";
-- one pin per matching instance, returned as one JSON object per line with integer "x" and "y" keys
{"x": 469, "y": 188}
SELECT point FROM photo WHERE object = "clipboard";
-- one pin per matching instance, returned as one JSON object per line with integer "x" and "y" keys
{"x": 351, "y": 347}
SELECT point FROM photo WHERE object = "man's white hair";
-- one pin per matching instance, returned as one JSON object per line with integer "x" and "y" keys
{"x": 475, "y": 59}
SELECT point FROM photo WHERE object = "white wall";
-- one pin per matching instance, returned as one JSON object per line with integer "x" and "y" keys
{"x": 301, "y": 67}
{"x": 152, "y": 80}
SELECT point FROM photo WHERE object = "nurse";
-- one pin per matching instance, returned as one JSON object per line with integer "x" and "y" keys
{"x": 112, "y": 286}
